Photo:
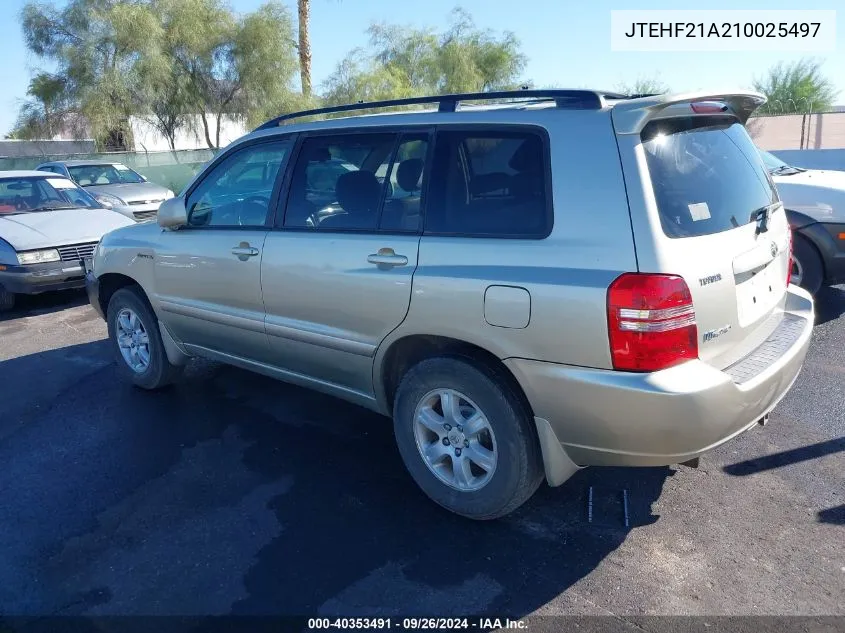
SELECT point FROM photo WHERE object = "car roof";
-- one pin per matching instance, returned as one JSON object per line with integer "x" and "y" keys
{"x": 633, "y": 111}
{"x": 494, "y": 114}
{"x": 29, "y": 173}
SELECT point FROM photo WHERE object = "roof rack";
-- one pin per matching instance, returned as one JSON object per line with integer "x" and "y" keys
{"x": 568, "y": 99}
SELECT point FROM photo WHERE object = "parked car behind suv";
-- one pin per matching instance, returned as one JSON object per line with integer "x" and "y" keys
{"x": 48, "y": 225}
{"x": 563, "y": 279}
{"x": 114, "y": 185}
{"x": 815, "y": 207}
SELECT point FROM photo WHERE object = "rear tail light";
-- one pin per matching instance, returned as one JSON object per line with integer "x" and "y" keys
{"x": 651, "y": 322}
{"x": 789, "y": 266}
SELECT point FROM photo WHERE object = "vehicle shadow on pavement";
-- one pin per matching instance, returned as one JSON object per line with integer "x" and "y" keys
{"x": 830, "y": 304}
{"x": 30, "y": 305}
{"x": 786, "y": 458}
{"x": 232, "y": 493}
{"x": 359, "y": 538}
{"x": 836, "y": 515}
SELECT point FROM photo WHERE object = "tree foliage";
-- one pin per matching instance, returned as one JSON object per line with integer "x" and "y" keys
{"x": 45, "y": 112}
{"x": 642, "y": 86}
{"x": 168, "y": 61}
{"x": 404, "y": 61}
{"x": 796, "y": 87}
{"x": 98, "y": 46}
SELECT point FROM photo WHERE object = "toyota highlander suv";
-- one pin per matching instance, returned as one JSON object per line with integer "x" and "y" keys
{"x": 533, "y": 284}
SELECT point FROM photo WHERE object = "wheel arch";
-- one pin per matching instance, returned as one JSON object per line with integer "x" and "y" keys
{"x": 404, "y": 352}
{"x": 798, "y": 220}
{"x": 111, "y": 282}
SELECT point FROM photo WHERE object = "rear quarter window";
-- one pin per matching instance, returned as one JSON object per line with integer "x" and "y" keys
{"x": 706, "y": 175}
{"x": 490, "y": 183}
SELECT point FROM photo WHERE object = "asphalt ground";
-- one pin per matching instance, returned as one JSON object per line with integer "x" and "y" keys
{"x": 231, "y": 493}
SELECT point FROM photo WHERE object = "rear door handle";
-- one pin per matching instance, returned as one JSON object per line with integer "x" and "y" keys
{"x": 386, "y": 258}
{"x": 244, "y": 251}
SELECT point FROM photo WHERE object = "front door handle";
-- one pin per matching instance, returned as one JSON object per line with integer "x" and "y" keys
{"x": 386, "y": 258}
{"x": 244, "y": 251}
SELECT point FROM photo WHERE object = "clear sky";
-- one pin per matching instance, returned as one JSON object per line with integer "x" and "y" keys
{"x": 567, "y": 43}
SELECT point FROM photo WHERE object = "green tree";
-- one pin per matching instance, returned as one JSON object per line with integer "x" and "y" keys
{"x": 796, "y": 87}
{"x": 168, "y": 61}
{"x": 46, "y": 111}
{"x": 642, "y": 86}
{"x": 230, "y": 66}
{"x": 403, "y": 61}
{"x": 96, "y": 45}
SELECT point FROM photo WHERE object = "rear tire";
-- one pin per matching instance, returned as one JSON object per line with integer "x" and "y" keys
{"x": 454, "y": 476}
{"x": 146, "y": 365}
{"x": 7, "y": 300}
{"x": 807, "y": 264}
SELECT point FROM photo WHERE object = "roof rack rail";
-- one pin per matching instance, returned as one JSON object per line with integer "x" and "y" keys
{"x": 570, "y": 99}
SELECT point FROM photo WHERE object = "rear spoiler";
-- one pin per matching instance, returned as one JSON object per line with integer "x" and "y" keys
{"x": 631, "y": 115}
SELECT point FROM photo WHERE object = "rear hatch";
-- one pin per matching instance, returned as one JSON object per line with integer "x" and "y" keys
{"x": 713, "y": 217}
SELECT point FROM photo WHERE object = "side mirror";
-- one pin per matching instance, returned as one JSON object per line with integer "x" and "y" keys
{"x": 172, "y": 213}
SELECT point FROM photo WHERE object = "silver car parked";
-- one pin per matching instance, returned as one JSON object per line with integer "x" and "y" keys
{"x": 48, "y": 226}
{"x": 563, "y": 279}
{"x": 114, "y": 185}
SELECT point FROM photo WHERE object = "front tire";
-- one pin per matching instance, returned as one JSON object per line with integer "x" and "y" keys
{"x": 807, "y": 268}
{"x": 136, "y": 340}
{"x": 466, "y": 439}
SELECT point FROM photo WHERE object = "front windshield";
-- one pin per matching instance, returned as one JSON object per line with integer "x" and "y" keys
{"x": 33, "y": 194}
{"x": 771, "y": 161}
{"x": 113, "y": 174}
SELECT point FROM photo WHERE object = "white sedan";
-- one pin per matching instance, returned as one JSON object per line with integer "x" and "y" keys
{"x": 48, "y": 227}
{"x": 815, "y": 205}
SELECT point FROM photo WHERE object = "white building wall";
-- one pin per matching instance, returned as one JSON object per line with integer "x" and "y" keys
{"x": 191, "y": 136}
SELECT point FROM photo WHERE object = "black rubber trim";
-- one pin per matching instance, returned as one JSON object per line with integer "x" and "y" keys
{"x": 825, "y": 237}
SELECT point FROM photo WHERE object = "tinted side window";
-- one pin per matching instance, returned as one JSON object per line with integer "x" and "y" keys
{"x": 489, "y": 183}
{"x": 338, "y": 181}
{"x": 237, "y": 191}
{"x": 403, "y": 199}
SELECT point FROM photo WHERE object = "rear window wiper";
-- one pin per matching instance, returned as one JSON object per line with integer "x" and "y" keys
{"x": 761, "y": 217}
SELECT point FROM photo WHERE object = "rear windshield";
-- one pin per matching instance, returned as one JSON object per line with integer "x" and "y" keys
{"x": 706, "y": 174}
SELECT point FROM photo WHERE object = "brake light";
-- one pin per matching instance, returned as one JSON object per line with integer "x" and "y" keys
{"x": 789, "y": 266}
{"x": 651, "y": 322}
{"x": 708, "y": 107}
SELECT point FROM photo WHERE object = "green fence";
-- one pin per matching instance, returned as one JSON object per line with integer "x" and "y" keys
{"x": 170, "y": 169}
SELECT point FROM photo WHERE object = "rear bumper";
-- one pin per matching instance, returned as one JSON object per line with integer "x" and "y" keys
{"x": 825, "y": 237}
{"x": 37, "y": 278}
{"x": 611, "y": 418}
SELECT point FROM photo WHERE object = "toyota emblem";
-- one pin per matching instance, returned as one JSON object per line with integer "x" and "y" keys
{"x": 774, "y": 250}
